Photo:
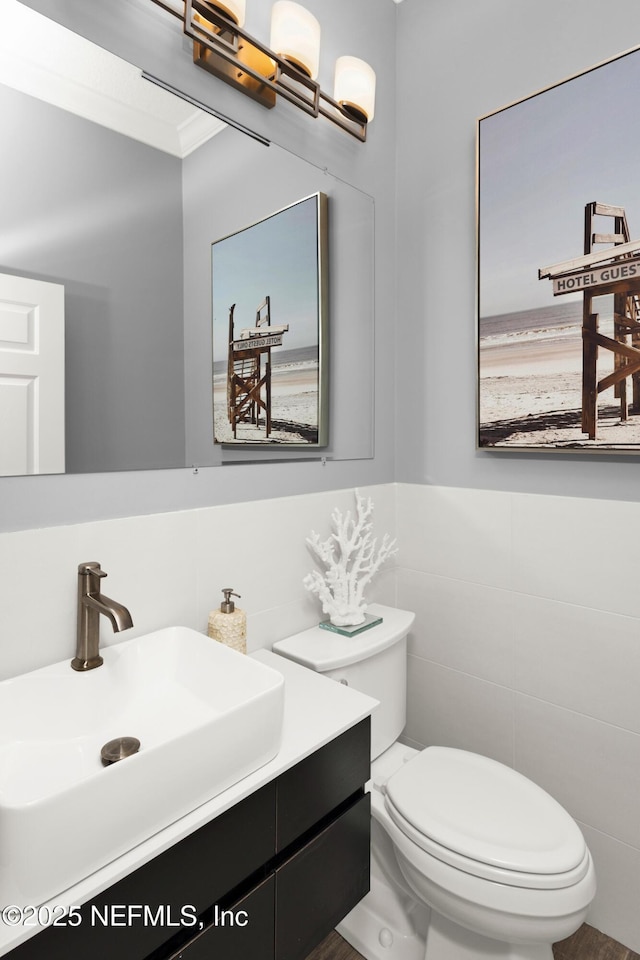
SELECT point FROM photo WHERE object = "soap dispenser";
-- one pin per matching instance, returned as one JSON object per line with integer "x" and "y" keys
{"x": 228, "y": 625}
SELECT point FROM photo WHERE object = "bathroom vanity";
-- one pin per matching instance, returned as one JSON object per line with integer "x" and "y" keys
{"x": 262, "y": 872}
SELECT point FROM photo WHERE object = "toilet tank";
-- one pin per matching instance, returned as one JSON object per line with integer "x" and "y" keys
{"x": 373, "y": 662}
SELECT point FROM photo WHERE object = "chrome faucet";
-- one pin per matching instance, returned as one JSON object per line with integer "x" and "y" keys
{"x": 91, "y": 603}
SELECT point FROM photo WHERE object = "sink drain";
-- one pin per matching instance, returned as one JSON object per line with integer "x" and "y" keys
{"x": 118, "y": 749}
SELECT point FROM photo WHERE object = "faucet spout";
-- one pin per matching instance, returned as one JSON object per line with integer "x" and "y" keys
{"x": 118, "y": 614}
{"x": 91, "y": 604}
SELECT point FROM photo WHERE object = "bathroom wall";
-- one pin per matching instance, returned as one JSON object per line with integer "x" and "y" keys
{"x": 459, "y": 60}
{"x": 526, "y": 648}
{"x": 170, "y": 568}
{"x": 526, "y": 643}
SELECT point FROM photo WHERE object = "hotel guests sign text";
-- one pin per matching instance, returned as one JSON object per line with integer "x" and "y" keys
{"x": 595, "y": 277}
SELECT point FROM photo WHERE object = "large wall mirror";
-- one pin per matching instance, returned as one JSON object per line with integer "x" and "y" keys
{"x": 114, "y": 190}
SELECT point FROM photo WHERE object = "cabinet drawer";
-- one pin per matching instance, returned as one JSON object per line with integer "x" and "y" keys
{"x": 317, "y": 785}
{"x": 243, "y": 932}
{"x": 196, "y": 872}
{"x": 320, "y": 884}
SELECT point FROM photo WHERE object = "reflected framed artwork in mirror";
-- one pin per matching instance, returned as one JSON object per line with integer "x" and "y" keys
{"x": 270, "y": 322}
{"x": 559, "y": 268}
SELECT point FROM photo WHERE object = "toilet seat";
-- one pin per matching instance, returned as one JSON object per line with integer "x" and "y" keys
{"x": 486, "y": 819}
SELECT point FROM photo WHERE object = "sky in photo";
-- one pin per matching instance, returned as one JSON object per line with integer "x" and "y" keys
{"x": 277, "y": 257}
{"x": 541, "y": 161}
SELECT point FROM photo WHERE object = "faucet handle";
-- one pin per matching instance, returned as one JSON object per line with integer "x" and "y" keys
{"x": 92, "y": 568}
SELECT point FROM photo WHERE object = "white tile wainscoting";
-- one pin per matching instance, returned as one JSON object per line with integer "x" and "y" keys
{"x": 170, "y": 569}
{"x": 526, "y": 647}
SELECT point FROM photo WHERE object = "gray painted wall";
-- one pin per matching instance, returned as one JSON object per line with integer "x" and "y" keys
{"x": 459, "y": 60}
{"x": 102, "y": 215}
{"x": 140, "y": 32}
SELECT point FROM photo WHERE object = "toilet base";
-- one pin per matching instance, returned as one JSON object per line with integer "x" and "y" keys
{"x": 391, "y": 923}
{"x": 447, "y": 940}
{"x": 379, "y": 938}
{"x": 384, "y": 939}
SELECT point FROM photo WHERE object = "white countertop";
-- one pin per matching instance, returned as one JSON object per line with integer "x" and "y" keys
{"x": 316, "y": 710}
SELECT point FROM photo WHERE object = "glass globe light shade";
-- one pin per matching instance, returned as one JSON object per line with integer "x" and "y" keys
{"x": 233, "y": 9}
{"x": 355, "y": 88}
{"x": 295, "y": 36}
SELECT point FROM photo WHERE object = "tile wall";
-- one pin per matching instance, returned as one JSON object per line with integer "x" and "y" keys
{"x": 526, "y": 648}
{"x": 170, "y": 568}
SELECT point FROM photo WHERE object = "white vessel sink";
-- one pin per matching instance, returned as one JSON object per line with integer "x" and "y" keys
{"x": 205, "y": 717}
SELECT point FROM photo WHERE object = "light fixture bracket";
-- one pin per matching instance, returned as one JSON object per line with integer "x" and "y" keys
{"x": 227, "y": 51}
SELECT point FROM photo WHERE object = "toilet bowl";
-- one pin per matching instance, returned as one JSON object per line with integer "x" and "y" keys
{"x": 469, "y": 858}
{"x": 503, "y": 867}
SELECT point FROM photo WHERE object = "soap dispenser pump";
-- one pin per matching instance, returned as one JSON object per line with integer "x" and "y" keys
{"x": 228, "y": 624}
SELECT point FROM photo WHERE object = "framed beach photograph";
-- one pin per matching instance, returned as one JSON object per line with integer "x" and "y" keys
{"x": 559, "y": 267}
{"x": 270, "y": 347}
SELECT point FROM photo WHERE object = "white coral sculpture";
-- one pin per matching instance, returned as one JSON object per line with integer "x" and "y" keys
{"x": 350, "y": 559}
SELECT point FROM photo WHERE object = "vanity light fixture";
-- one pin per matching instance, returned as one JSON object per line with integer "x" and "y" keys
{"x": 288, "y": 69}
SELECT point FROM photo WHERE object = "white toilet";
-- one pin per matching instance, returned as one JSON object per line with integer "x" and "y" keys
{"x": 469, "y": 859}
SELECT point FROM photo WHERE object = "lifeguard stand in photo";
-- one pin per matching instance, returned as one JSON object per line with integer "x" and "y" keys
{"x": 247, "y": 376}
{"x": 614, "y": 271}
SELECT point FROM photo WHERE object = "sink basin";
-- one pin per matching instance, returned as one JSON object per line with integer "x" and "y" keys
{"x": 205, "y": 717}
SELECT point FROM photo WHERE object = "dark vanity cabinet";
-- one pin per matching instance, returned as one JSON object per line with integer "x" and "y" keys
{"x": 266, "y": 880}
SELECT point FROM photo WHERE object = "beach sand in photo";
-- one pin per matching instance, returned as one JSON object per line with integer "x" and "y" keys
{"x": 531, "y": 393}
{"x": 294, "y": 407}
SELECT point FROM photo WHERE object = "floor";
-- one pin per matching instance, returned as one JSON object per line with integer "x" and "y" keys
{"x": 586, "y": 944}
{"x": 590, "y": 944}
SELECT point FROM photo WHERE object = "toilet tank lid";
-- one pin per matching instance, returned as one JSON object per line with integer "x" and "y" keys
{"x": 322, "y": 650}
